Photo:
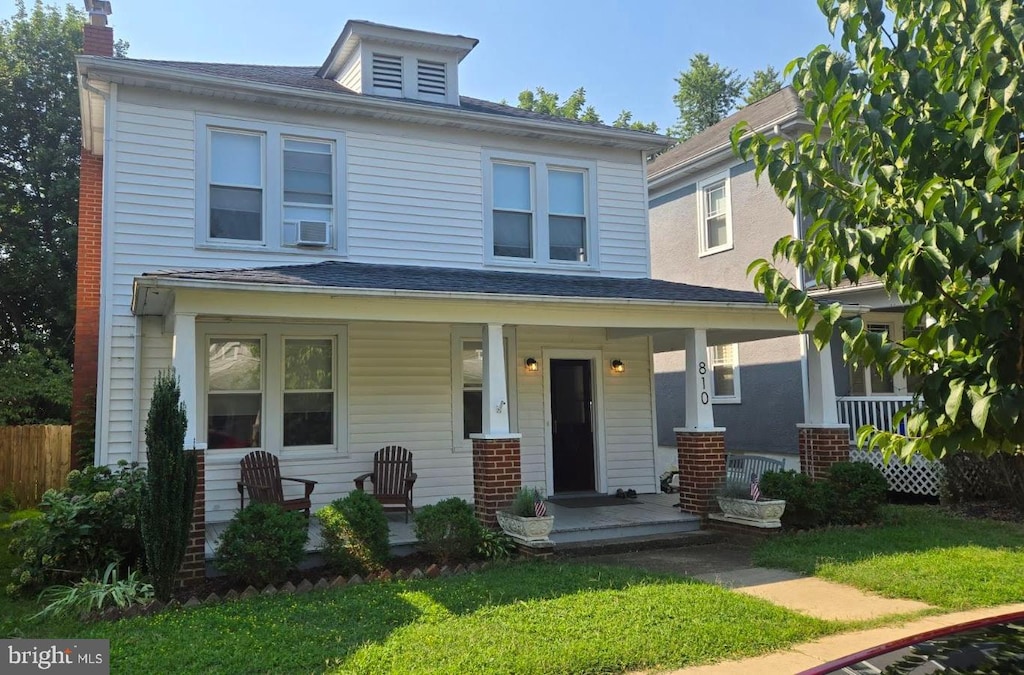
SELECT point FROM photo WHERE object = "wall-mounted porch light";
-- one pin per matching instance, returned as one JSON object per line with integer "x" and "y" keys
{"x": 618, "y": 366}
{"x": 531, "y": 364}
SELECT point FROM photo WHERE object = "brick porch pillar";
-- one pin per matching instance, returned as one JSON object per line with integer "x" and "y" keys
{"x": 701, "y": 454}
{"x": 821, "y": 446}
{"x": 496, "y": 474}
{"x": 193, "y": 567}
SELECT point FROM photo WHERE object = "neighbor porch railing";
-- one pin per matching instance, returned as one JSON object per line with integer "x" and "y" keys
{"x": 878, "y": 411}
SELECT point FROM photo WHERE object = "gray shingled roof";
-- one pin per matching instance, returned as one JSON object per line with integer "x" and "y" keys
{"x": 782, "y": 103}
{"x": 304, "y": 77}
{"x": 451, "y": 280}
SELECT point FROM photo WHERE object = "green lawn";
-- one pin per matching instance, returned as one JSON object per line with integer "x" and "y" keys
{"x": 526, "y": 618}
{"x": 918, "y": 552}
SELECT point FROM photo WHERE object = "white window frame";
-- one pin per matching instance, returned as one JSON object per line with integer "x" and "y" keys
{"x": 204, "y": 406}
{"x": 703, "y": 186}
{"x": 461, "y": 334}
{"x": 736, "y": 397}
{"x": 334, "y": 391}
{"x": 274, "y": 135}
{"x": 333, "y": 223}
{"x": 273, "y": 336}
{"x": 899, "y": 379}
{"x": 208, "y": 184}
{"x": 540, "y": 165}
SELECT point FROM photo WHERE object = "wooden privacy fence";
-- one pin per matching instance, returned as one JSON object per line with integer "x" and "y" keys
{"x": 34, "y": 459}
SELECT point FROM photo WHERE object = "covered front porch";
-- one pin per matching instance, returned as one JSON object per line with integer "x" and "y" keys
{"x": 526, "y": 380}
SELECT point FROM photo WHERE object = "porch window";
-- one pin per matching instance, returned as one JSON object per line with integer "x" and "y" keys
{"x": 472, "y": 387}
{"x": 715, "y": 214}
{"x": 868, "y": 381}
{"x": 468, "y": 385}
{"x": 236, "y": 185}
{"x": 725, "y": 370}
{"x": 513, "y": 210}
{"x": 235, "y": 399}
{"x": 308, "y": 406}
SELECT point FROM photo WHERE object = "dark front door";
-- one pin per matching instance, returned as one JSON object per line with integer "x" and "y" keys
{"x": 572, "y": 425}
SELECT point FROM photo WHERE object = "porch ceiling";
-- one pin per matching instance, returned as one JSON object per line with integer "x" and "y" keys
{"x": 338, "y": 291}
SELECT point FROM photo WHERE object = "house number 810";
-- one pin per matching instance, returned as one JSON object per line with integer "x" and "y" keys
{"x": 702, "y": 368}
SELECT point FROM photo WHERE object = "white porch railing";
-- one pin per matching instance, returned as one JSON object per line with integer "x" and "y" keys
{"x": 878, "y": 411}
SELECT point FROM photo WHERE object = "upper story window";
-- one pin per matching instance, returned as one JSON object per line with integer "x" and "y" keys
{"x": 540, "y": 210}
{"x": 268, "y": 185}
{"x": 715, "y": 214}
{"x": 236, "y": 185}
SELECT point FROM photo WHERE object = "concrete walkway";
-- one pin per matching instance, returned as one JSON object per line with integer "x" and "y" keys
{"x": 826, "y": 649}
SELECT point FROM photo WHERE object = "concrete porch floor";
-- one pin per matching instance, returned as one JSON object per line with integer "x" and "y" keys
{"x": 651, "y": 514}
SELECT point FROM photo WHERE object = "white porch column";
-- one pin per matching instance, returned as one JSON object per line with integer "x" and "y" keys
{"x": 821, "y": 388}
{"x": 495, "y": 396}
{"x": 183, "y": 358}
{"x": 699, "y": 413}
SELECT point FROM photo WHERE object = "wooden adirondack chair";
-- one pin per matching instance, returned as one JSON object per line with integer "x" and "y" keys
{"x": 392, "y": 478}
{"x": 261, "y": 476}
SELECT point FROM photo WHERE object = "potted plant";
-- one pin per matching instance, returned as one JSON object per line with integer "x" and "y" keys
{"x": 526, "y": 519}
{"x": 743, "y": 502}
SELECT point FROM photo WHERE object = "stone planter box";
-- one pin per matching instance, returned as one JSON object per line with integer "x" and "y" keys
{"x": 529, "y": 531}
{"x": 765, "y": 513}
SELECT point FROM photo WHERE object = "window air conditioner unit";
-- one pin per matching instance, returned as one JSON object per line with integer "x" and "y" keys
{"x": 314, "y": 233}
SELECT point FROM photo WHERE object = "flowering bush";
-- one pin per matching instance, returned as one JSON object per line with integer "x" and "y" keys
{"x": 84, "y": 527}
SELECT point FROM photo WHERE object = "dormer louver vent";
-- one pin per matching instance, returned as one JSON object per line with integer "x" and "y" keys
{"x": 431, "y": 78}
{"x": 387, "y": 74}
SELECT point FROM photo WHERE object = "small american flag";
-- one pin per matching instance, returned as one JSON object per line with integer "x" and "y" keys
{"x": 539, "y": 509}
{"x": 755, "y": 487}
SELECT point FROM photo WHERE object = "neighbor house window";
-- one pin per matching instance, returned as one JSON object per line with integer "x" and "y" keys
{"x": 541, "y": 210}
{"x": 513, "y": 210}
{"x": 308, "y": 406}
{"x": 236, "y": 185}
{"x": 234, "y": 381}
{"x": 308, "y": 190}
{"x": 715, "y": 215}
{"x": 725, "y": 371}
{"x": 868, "y": 381}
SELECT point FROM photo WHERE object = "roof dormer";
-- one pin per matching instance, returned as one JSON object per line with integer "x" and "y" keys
{"x": 371, "y": 58}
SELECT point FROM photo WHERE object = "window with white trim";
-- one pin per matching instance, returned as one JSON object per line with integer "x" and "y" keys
{"x": 540, "y": 210}
{"x": 281, "y": 389}
{"x": 715, "y": 214}
{"x": 236, "y": 185}
{"x": 725, "y": 373}
{"x": 269, "y": 185}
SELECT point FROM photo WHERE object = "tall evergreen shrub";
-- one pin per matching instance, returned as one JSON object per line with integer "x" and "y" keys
{"x": 166, "y": 513}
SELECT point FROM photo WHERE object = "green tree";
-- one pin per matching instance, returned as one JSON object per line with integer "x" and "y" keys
{"x": 39, "y": 156}
{"x": 35, "y": 387}
{"x": 762, "y": 83}
{"x": 167, "y": 494}
{"x": 914, "y": 174}
{"x": 708, "y": 92}
{"x": 575, "y": 108}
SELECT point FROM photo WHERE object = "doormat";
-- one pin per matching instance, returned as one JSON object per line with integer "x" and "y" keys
{"x": 591, "y": 502}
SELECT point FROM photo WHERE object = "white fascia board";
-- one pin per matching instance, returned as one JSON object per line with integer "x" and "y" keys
{"x": 162, "y": 77}
{"x": 714, "y": 155}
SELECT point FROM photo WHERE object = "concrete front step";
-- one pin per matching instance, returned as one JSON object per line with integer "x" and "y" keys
{"x": 641, "y": 543}
{"x": 677, "y": 524}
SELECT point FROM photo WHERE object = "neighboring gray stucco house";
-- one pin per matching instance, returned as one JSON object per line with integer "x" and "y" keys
{"x": 709, "y": 220}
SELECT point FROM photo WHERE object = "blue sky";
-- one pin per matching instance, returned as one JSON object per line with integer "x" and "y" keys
{"x": 625, "y": 54}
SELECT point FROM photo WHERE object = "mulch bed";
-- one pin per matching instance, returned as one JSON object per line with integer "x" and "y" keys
{"x": 989, "y": 510}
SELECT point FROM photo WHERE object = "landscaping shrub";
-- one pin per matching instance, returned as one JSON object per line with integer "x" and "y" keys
{"x": 857, "y": 490}
{"x": 524, "y": 502}
{"x": 494, "y": 545}
{"x": 261, "y": 544}
{"x": 8, "y": 502}
{"x": 83, "y": 528}
{"x": 169, "y": 490}
{"x": 355, "y": 534}
{"x": 448, "y": 530}
{"x": 93, "y": 595}
{"x": 806, "y": 500}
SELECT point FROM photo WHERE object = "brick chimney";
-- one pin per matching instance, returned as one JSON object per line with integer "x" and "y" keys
{"x": 98, "y": 40}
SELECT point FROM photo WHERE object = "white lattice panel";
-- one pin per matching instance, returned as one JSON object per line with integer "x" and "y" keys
{"x": 920, "y": 477}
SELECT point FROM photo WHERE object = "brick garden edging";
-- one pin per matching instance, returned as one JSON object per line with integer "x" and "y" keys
{"x": 287, "y": 588}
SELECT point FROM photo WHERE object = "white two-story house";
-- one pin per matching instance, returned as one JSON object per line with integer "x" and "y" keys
{"x": 346, "y": 256}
